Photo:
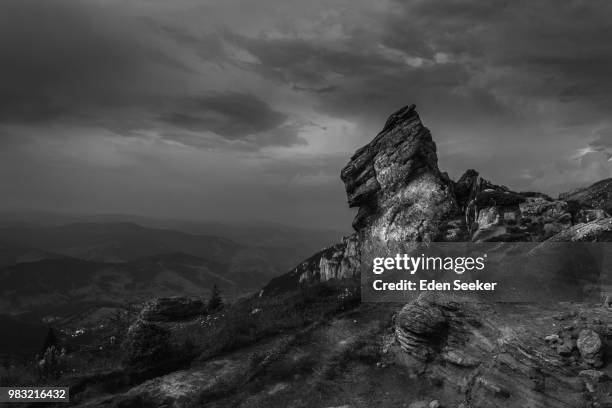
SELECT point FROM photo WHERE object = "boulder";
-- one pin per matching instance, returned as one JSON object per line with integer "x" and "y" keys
{"x": 590, "y": 347}
{"x": 419, "y": 328}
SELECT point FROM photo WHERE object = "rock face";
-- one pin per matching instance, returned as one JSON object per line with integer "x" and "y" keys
{"x": 396, "y": 184}
{"x": 343, "y": 263}
{"x": 339, "y": 261}
{"x": 496, "y": 213}
{"x": 496, "y": 356}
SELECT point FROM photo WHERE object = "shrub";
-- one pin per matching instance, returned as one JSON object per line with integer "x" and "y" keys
{"x": 146, "y": 343}
{"x": 255, "y": 318}
{"x": 52, "y": 363}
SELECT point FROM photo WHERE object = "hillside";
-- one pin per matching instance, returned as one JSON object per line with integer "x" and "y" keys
{"x": 285, "y": 245}
{"x": 115, "y": 242}
{"x": 48, "y": 287}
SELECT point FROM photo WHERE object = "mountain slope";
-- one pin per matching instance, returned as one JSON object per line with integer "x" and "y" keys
{"x": 115, "y": 242}
{"x": 257, "y": 259}
{"x": 286, "y": 245}
{"x": 11, "y": 254}
{"x": 56, "y": 285}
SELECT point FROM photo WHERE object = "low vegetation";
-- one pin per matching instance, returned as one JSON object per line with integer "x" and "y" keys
{"x": 256, "y": 318}
{"x": 124, "y": 350}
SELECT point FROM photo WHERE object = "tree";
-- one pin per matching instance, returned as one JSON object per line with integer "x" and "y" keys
{"x": 50, "y": 341}
{"x": 215, "y": 303}
{"x": 6, "y": 361}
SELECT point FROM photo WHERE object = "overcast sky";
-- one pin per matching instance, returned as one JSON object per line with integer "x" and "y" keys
{"x": 247, "y": 110}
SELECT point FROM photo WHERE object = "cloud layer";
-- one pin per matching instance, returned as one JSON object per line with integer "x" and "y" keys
{"x": 267, "y": 101}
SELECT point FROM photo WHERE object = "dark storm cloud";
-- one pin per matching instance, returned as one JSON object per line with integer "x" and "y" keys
{"x": 297, "y": 61}
{"x": 80, "y": 61}
{"x": 83, "y": 65}
{"x": 468, "y": 58}
{"x": 235, "y": 116}
{"x": 61, "y": 59}
{"x": 362, "y": 79}
{"x": 207, "y": 46}
{"x": 552, "y": 49}
{"x": 513, "y": 88}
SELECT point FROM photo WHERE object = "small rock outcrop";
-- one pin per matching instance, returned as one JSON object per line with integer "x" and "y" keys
{"x": 148, "y": 339}
{"x": 339, "y": 261}
{"x": 342, "y": 263}
{"x": 590, "y": 346}
{"x": 594, "y": 231}
{"x": 146, "y": 343}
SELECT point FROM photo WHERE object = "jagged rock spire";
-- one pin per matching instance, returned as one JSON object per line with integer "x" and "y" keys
{"x": 396, "y": 183}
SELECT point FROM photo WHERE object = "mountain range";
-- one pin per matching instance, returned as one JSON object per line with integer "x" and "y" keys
{"x": 50, "y": 264}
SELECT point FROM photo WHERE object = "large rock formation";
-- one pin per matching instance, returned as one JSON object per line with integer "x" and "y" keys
{"x": 403, "y": 197}
{"x": 396, "y": 183}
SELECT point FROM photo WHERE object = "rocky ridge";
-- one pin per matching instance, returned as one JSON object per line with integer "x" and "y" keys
{"x": 402, "y": 195}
